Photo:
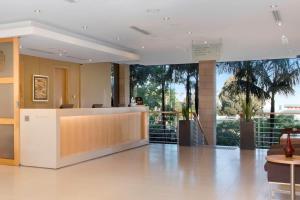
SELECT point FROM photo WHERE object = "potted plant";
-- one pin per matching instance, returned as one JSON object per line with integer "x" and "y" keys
{"x": 247, "y": 126}
{"x": 185, "y": 127}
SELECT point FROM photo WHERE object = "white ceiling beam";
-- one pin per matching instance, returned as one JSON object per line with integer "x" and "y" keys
{"x": 25, "y": 28}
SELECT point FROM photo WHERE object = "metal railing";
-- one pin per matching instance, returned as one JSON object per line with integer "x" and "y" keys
{"x": 198, "y": 136}
{"x": 163, "y": 127}
{"x": 268, "y": 130}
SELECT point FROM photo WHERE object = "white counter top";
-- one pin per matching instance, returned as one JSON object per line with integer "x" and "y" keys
{"x": 89, "y": 111}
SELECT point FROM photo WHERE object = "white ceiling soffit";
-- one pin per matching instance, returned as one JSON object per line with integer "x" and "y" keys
{"x": 29, "y": 31}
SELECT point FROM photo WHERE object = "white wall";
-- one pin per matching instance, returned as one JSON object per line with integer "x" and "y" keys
{"x": 95, "y": 84}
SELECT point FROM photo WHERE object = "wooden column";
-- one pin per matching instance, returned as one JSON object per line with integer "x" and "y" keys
{"x": 9, "y": 101}
{"x": 207, "y": 99}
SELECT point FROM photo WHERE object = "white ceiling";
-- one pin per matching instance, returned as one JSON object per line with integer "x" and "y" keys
{"x": 246, "y": 28}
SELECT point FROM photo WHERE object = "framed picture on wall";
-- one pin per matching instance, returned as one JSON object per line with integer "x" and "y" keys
{"x": 40, "y": 88}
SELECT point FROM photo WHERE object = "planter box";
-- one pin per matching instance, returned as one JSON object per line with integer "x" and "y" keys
{"x": 247, "y": 134}
{"x": 185, "y": 132}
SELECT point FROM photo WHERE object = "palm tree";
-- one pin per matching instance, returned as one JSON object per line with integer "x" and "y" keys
{"x": 278, "y": 76}
{"x": 245, "y": 80}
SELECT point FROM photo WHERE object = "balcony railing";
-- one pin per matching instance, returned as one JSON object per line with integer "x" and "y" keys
{"x": 163, "y": 128}
{"x": 268, "y": 130}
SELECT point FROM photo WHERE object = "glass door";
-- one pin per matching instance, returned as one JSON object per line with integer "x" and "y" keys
{"x": 9, "y": 101}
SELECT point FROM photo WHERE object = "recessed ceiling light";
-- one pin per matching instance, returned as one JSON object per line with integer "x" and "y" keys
{"x": 37, "y": 11}
{"x": 166, "y": 18}
{"x": 205, "y": 42}
{"x": 190, "y": 32}
{"x": 84, "y": 27}
{"x": 143, "y": 47}
{"x": 90, "y": 60}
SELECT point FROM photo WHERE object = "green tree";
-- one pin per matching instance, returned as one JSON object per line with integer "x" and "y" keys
{"x": 188, "y": 75}
{"x": 278, "y": 76}
{"x": 231, "y": 105}
{"x": 139, "y": 75}
{"x": 228, "y": 133}
{"x": 245, "y": 79}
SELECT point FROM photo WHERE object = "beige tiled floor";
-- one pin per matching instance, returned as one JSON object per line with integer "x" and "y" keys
{"x": 156, "y": 172}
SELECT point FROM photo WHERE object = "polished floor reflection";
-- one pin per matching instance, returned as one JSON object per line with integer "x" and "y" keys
{"x": 156, "y": 172}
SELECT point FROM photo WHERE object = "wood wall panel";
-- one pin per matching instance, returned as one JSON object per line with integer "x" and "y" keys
{"x": 9, "y": 123}
{"x": 30, "y": 65}
{"x": 81, "y": 134}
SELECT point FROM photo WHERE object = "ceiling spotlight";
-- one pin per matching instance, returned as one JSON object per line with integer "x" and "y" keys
{"x": 143, "y": 47}
{"x": 37, "y": 11}
{"x": 274, "y": 7}
{"x": 166, "y": 18}
{"x": 205, "y": 42}
{"x": 84, "y": 27}
{"x": 284, "y": 39}
{"x": 90, "y": 60}
{"x": 279, "y": 23}
{"x": 190, "y": 32}
{"x": 277, "y": 17}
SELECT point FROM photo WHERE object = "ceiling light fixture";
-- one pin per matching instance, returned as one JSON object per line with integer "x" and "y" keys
{"x": 90, "y": 60}
{"x": 84, "y": 27}
{"x": 20, "y": 46}
{"x": 140, "y": 30}
{"x": 205, "y": 42}
{"x": 190, "y": 32}
{"x": 284, "y": 39}
{"x": 37, "y": 11}
{"x": 143, "y": 47}
{"x": 166, "y": 18}
{"x": 276, "y": 15}
{"x": 60, "y": 54}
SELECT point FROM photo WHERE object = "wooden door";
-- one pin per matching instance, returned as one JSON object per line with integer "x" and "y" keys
{"x": 9, "y": 101}
{"x": 60, "y": 87}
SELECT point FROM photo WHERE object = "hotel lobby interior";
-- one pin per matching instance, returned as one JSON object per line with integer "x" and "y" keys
{"x": 71, "y": 128}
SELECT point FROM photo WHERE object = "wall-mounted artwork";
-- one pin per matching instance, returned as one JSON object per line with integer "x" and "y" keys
{"x": 2, "y": 59}
{"x": 40, "y": 88}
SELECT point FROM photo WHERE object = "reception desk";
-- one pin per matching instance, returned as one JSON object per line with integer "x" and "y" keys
{"x": 54, "y": 138}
